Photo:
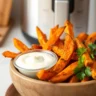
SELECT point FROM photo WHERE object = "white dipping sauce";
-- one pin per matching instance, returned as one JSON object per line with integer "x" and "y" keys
{"x": 35, "y": 60}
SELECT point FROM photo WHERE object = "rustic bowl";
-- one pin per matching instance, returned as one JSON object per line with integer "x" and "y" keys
{"x": 31, "y": 87}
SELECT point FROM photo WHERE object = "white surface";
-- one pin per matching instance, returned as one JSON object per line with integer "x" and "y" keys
{"x": 5, "y": 79}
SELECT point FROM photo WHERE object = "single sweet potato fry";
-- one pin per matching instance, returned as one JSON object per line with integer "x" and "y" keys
{"x": 65, "y": 74}
{"x": 73, "y": 79}
{"x": 35, "y": 46}
{"x": 53, "y": 30}
{"x": 54, "y": 38}
{"x": 47, "y": 74}
{"x": 58, "y": 50}
{"x": 20, "y": 45}
{"x": 60, "y": 44}
{"x": 82, "y": 36}
{"x": 69, "y": 47}
{"x": 88, "y": 61}
{"x": 85, "y": 79}
{"x": 9, "y": 54}
{"x": 91, "y": 39}
{"x": 69, "y": 29}
{"x": 68, "y": 23}
{"x": 67, "y": 51}
{"x": 41, "y": 37}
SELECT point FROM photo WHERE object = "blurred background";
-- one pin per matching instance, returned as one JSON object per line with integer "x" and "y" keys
{"x": 27, "y": 14}
{"x": 15, "y": 13}
{"x": 19, "y": 18}
{"x": 47, "y": 14}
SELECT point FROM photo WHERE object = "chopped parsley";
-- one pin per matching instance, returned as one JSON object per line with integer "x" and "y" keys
{"x": 81, "y": 75}
{"x": 81, "y": 71}
{"x": 88, "y": 71}
{"x": 80, "y": 64}
{"x": 92, "y": 47}
{"x": 81, "y": 51}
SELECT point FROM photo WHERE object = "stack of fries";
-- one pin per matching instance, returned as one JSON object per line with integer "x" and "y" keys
{"x": 77, "y": 55}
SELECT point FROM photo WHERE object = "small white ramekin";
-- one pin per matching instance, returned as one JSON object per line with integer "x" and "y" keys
{"x": 32, "y": 72}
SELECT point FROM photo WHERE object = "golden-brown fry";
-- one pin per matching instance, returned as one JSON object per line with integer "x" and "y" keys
{"x": 88, "y": 61}
{"x": 69, "y": 45}
{"x": 58, "y": 50}
{"x": 65, "y": 74}
{"x": 91, "y": 38}
{"x": 73, "y": 79}
{"x": 20, "y": 45}
{"x": 53, "y": 30}
{"x": 47, "y": 74}
{"x": 41, "y": 37}
{"x": 54, "y": 38}
{"x": 94, "y": 70}
{"x": 85, "y": 79}
{"x": 69, "y": 29}
{"x": 68, "y": 23}
{"x": 9, "y": 54}
{"x": 60, "y": 44}
{"x": 79, "y": 43}
{"x": 35, "y": 46}
{"x": 68, "y": 49}
{"x": 82, "y": 36}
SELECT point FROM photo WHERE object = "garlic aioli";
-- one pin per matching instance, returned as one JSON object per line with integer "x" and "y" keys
{"x": 36, "y": 60}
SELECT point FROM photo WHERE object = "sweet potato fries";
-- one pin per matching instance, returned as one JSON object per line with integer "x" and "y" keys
{"x": 76, "y": 55}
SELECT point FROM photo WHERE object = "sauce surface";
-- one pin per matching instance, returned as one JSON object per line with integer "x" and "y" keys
{"x": 35, "y": 60}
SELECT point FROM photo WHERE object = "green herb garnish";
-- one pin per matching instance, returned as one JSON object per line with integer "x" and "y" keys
{"x": 84, "y": 72}
{"x": 88, "y": 71}
{"x": 92, "y": 47}
{"x": 92, "y": 55}
{"x": 81, "y": 59}
{"x": 76, "y": 70}
{"x": 81, "y": 71}
{"x": 80, "y": 64}
{"x": 81, "y": 75}
{"x": 81, "y": 51}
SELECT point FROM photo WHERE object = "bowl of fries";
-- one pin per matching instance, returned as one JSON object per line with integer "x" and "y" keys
{"x": 73, "y": 74}
{"x": 32, "y": 87}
